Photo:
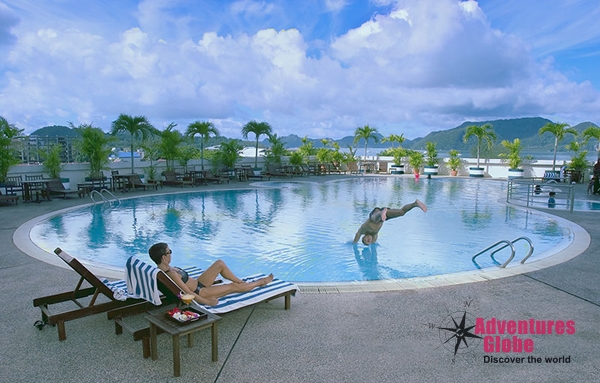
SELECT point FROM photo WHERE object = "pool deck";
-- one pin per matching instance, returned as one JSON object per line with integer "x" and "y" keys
{"x": 387, "y": 336}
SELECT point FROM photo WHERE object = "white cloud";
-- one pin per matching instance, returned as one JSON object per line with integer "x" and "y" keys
{"x": 426, "y": 65}
{"x": 7, "y": 21}
{"x": 335, "y": 5}
{"x": 252, "y": 7}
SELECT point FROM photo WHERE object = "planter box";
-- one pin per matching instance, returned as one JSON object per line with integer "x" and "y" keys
{"x": 396, "y": 169}
{"x": 476, "y": 172}
{"x": 515, "y": 173}
{"x": 430, "y": 170}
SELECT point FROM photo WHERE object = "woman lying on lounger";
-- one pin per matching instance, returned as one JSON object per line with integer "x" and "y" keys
{"x": 202, "y": 288}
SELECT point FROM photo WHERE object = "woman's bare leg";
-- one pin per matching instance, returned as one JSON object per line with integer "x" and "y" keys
{"x": 208, "y": 277}
{"x": 221, "y": 290}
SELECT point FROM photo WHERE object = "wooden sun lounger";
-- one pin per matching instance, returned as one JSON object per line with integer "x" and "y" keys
{"x": 136, "y": 182}
{"x": 171, "y": 292}
{"x": 209, "y": 176}
{"x": 83, "y": 309}
{"x": 272, "y": 171}
{"x": 9, "y": 198}
{"x": 56, "y": 187}
{"x": 172, "y": 179}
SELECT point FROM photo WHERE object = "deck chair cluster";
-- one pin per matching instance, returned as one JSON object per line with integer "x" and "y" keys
{"x": 145, "y": 288}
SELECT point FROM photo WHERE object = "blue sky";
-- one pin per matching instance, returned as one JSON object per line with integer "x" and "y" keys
{"x": 316, "y": 68}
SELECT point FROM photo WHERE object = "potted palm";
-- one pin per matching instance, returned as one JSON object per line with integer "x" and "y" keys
{"x": 454, "y": 162}
{"x": 513, "y": 158}
{"x": 397, "y": 152}
{"x": 8, "y": 156}
{"x": 94, "y": 146}
{"x": 397, "y": 167}
{"x": 53, "y": 165}
{"x": 578, "y": 163}
{"x": 228, "y": 154}
{"x": 431, "y": 163}
{"x": 415, "y": 160}
{"x": 482, "y": 133}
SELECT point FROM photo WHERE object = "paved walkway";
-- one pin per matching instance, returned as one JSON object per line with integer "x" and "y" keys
{"x": 349, "y": 337}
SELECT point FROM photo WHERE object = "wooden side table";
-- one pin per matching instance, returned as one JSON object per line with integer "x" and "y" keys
{"x": 160, "y": 321}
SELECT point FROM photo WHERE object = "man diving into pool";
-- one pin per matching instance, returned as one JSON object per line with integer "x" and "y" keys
{"x": 378, "y": 216}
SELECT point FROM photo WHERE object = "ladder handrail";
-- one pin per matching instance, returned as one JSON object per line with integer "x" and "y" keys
{"x": 507, "y": 244}
{"x": 100, "y": 193}
{"x": 513, "y": 241}
{"x": 97, "y": 192}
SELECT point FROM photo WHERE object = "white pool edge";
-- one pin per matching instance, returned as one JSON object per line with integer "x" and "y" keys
{"x": 581, "y": 241}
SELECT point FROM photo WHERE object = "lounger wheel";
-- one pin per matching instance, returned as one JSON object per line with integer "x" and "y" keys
{"x": 40, "y": 324}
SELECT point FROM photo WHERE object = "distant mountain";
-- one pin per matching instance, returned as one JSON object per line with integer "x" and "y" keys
{"x": 524, "y": 128}
{"x": 55, "y": 131}
{"x": 527, "y": 129}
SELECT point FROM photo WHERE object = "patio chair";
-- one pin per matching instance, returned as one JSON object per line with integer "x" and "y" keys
{"x": 209, "y": 176}
{"x": 9, "y": 198}
{"x": 383, "y": 167}
{"x": 276, "y": 289}
{"x": 56, "y": 187}
{"x": 308, "y": 170}
{"x": 171, "y": 178}
{"x": 353, "y": 168}
{"x": 272, "y": 171}
{"x": 136, "y": 183}
{"x": 249, "y": 173}
{"x": 333, "y": 168}
{"x": 98, "y": 288}
{"x": 14, "y": 184}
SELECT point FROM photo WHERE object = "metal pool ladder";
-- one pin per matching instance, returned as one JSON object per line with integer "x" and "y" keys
{"x": 506, "y": 243}
{"x": 104, "y": 199}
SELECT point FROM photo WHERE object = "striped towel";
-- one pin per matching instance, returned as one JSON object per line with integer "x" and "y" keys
{"x": 236, "y": 301}
{"x": 141, "y": 280}
{"x": 119, "y": 287}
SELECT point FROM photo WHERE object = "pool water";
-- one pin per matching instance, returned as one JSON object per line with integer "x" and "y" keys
{"x": 302, "y": 231}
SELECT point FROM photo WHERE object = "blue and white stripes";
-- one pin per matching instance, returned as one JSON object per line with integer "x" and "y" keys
{"x": 141, "y": 280}
{"x": 236, "y": 301}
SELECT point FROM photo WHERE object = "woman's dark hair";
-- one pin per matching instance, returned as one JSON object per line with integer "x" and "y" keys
{"x": 157, "y": 250}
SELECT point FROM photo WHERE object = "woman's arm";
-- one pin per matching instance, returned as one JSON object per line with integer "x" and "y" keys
{"x": 186, "y": 289}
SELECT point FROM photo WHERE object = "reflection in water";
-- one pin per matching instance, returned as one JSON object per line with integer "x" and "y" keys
{"x": 477, "y": 218}
{"x": 301, "y": 232}
{"x": 366, "y": 259}
{"x": 97, "y": 225}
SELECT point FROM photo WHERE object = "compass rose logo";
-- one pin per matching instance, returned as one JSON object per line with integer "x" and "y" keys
{"x": 455, "y": 332}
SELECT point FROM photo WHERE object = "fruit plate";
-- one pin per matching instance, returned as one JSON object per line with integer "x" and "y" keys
{"x": 185, "y": 315}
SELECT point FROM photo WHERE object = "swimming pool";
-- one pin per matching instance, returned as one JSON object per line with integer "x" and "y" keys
{"x": 301, "y": 231}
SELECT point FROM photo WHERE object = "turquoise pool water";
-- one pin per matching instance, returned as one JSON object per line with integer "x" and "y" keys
{"x": 302, "y": 231}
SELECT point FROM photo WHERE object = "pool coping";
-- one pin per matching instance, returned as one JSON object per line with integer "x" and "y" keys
{"x": 581, "y": 241}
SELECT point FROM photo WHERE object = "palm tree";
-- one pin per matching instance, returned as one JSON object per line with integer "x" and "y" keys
{"x": 7, "y": 156}
{"x": 204, "y": 129}
{"x": 394, "y": 138}
{"x": 483, "y": 132}
{"x": 94, "y": 146}
{"x": 258, "y": 128}
{"x": 367, "y": 133}
{"x": 170, "y": 141}
{"x": 593, "y": 132}
{"x": 136, "y": 126}
{"x": 558, "y": 130}
{"x": 277, "y": 149}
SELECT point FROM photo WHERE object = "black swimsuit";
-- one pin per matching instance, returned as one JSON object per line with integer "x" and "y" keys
{"x": 373, "y": 211}
{"x": 185, "y": 277}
